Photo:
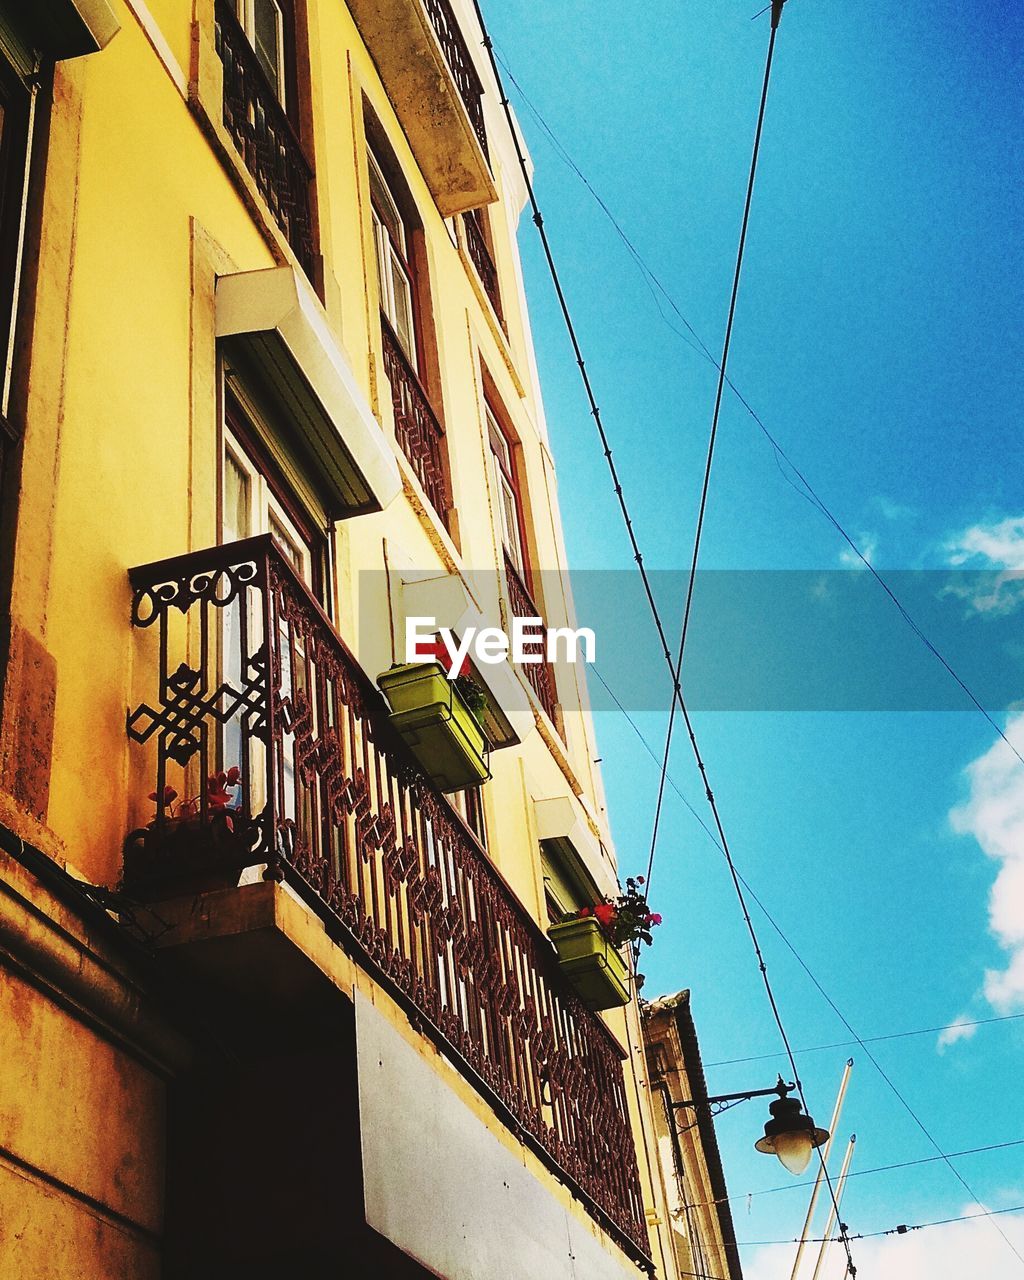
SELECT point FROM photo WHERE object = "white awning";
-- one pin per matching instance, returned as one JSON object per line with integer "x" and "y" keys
{"x": 560, "y": 823}
{"x": 274, "y": 328}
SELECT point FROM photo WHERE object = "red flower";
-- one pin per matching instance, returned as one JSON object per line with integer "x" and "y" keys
{"x": 584, "y": 912}
{"x": 169, "y": 795}
{"x": 219, "y": 784}
{"x": 605, "y": 913}
{"x": 652, "y": 919}
{"x": 438, "y": 650}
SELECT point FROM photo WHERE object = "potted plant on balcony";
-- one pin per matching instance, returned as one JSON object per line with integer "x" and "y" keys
{"x": 589, "y": 943}
{"x": 440, "y": 718}
{"x": 184, "y": 850}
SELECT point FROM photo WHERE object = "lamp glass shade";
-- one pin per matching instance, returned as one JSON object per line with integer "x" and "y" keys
{"x": 794, "y": 1149}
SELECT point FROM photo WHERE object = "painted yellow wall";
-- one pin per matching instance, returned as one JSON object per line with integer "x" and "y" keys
{"x": 143, "y": 206}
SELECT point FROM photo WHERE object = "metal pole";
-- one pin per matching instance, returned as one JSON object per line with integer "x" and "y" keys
{"x": 821, "y": 1166}
{"x": 827, "y": 1235}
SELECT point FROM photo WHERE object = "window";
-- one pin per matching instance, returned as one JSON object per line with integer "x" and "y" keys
{"x": 509, "y": 506}
{"x": 481, "y": 250}
{"x": 469, "y": 805}
{"x": 257, "y": 497}
{"x": 566, "y": 886}
{"x": 392, "y": 242}
{"x": 263, "y": 22}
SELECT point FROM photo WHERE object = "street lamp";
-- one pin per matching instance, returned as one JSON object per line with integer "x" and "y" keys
{"x": 789, "y": 1134}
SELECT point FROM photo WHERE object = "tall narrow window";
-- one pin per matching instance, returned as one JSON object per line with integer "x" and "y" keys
{"x": 509, "y": 509}
{"x": 406, "y": 336}
{"x": 257, "y": 499}
{"x": 392, "y": 242}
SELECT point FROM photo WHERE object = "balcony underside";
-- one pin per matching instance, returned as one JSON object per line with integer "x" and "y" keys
{"x": 380, "y": 1149}
{"x": 427, "y": 101}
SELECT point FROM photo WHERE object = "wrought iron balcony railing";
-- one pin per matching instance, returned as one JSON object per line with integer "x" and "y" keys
{"x": 247, "y": 670}
{"x": 416, "y": 426}
{"x": 480, "y": 253}
{"x": 540, "y": 674}
{"x": 460, "y": 63}
{"x": 264, "y": 136}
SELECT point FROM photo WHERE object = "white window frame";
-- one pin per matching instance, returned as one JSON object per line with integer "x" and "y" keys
{"x": 245, "y": 11}
{"x": 266, "y": 513}
{"x": 391, "y": 258}
{"x": 510, "y": 515}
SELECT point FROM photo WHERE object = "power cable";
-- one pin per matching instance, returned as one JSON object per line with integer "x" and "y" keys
{"x": 777, "y": 6}
{"x": 806, "y": 490}
{"x": 902, "y": 1230}
{"x": 806, "y": 968}
{"x": 860, "y": 1173}
{"x": 847, "y": 1044}
{"x": 713, "y": 435}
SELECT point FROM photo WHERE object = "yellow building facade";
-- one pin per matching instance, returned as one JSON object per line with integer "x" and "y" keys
{"x": 702, "y": 1224}
{"x": 278, "y": 992}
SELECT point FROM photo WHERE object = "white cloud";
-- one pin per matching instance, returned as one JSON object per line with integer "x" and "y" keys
{"x": 892, "y": 510}
{"x": 959, "y": 1029}
{"x": 999, "y": 545}
{"x": 868, "y": 544}
{"x": 995, "y": 546}
{"x": 993, "y": 814}
{"x": 955, "y": 1249}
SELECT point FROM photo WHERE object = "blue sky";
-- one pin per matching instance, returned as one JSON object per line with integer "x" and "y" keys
{"x": 878, "y": 335}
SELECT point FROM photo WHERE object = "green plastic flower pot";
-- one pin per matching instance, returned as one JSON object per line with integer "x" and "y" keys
{"x": 590, "y": 962}
{"x": 436, "y": 724}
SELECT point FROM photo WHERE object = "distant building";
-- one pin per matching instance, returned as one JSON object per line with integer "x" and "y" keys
{"x": 702, "y": 1225}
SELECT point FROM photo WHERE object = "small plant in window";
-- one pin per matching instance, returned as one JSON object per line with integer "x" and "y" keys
{"x": 473, "y": 696}
{"x": 626, "y": 918}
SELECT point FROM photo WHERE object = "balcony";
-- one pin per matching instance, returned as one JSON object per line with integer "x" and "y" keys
{"x": 480, "y": 254}
{"x": 540, "y": 674}
{"x": 430, "y": 78}
{"x": 417, "y": 429}
{"x": 264, "y": 137}
{"x": 245, "y": 669}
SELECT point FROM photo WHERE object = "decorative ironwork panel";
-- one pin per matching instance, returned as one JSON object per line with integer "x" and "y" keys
{"x": 264, "y": 136}
{"x": 419, "y": 433}
{"x": 252, "y": 673}
{"x": 540, "y": 674}
{"x": 479, "y": 251}
{"x": 460, "y": 63}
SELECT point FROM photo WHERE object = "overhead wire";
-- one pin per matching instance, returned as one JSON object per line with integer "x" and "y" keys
{"x": 812, "y": 496}
{"x": 901, "y": 1230}
{"x": 857, "y": 1040}
{"x": 892, "y": 1035}
{"x": 538, "y": 220}
{"x": 861, "y": 1173}
{"x": 805, "y": 489}
{"x": 723, "y": 364}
